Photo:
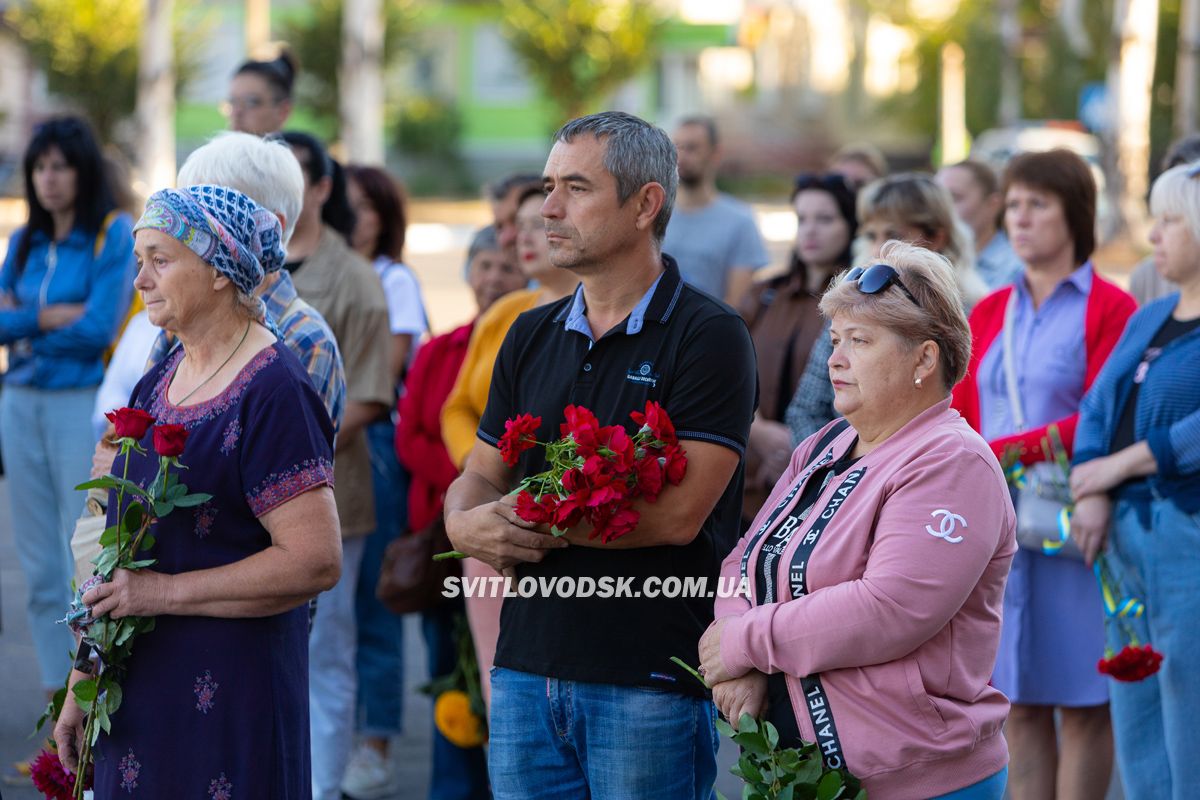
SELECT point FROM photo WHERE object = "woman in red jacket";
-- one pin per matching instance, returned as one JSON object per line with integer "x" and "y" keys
{"x": 458, "y": 774}
{"x": 1062, "y": 321}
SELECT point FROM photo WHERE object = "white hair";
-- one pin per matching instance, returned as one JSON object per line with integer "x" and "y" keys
{"x": 1177, "y": 191}
{"x": 265, "y": 170}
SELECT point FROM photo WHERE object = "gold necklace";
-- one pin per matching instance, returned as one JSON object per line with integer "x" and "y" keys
{"x": 245, "y": 333}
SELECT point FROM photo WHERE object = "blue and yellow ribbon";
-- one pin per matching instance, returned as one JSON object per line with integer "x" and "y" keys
{"x": 1126, "y": 607}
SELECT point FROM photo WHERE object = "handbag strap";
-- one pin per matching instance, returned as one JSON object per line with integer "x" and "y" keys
{"x": 1010, "y": 369}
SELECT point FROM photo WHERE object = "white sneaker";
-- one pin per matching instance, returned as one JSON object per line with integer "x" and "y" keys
{"x": 369, "y": 775}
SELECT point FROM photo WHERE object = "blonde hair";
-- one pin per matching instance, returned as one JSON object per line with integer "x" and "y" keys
{"x": 940, "y": 318}
{"x": 1177, "y": 191}
{"x": 915, "y": 199}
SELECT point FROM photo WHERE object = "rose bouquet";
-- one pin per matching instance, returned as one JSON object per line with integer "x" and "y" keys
{"x": 52, "y": 779}
{"x": 1135, "y": 661}
{"x": 595, "y": 473}
{"x": 105, "y": 643}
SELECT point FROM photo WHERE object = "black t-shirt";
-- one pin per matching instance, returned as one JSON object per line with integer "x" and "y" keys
{"x": 1172, "y": 329}
{"x": 694, "y": 356}
{"x": 779, "y": 704}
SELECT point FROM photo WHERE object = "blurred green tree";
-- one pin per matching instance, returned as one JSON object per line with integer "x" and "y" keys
{"x": 89, "y": 51}
{"x": 316, "y": 36}
{"x": 579, "y": 51}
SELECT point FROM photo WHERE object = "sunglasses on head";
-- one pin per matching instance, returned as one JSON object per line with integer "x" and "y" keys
{"x": 877, "y": 277}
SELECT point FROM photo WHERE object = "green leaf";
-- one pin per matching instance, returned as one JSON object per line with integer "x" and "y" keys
{"x": 106, "y": 561}
{"x": 772, "y": 734}
{"x": 148, "y": 541}
{"x": 132, "y": 521}
{"x": 862, "y": 795}
{"x": 787, "y": 793}
{"x": 830, "y": 786}
{"x": 747, "y": 724}
{"x": 109, "y": 537}
{"x": 725, "y": 729}
{"x": 163, "y": 507}
{"x": 187, "y": 501}
{"x": 174, "y": 491}
{"x": 102, "y": 719}
{"x": 810, "y": 770}
{"x": 106, "y": 482}
{"x": 112, "y": 699}
{"x": 752, "y": 741}
{"x": 145, "y": 562}
{"x": 126, "y": 628}
{"x": 748, "y": 770}
{"x": 85, "y": 690}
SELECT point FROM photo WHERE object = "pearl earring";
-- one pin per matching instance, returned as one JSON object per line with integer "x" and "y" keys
{"x": 917, "y": 382}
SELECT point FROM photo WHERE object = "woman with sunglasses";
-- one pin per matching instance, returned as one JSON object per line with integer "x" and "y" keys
{"x": 909, "y": 207}
{"x": 1061, "y": 320}
{"x": 876, "y": 569}
{"x": 785, "y": 323}
{"x": 66, "y": 284}
{"x": 1136, "y": 483}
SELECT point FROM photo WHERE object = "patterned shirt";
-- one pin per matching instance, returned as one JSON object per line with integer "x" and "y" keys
{"x": 306, "y": 334}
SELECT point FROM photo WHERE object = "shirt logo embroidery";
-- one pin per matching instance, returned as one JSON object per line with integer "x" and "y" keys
{"x": 949, "y": 523}
{"x": 643, "y": 373}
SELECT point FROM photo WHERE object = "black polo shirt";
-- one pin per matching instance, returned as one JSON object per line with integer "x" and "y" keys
{"x": 693, "y": 355}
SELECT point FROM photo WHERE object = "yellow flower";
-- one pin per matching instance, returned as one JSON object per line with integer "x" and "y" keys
{"x": 453, "y": 717}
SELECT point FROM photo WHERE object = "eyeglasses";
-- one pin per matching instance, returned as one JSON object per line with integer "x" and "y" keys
{"x": 250, "y": 103}
{"x": 877, "y": 277}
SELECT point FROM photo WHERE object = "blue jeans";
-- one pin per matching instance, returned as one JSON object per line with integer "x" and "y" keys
{"x": 987, "y": 789}
{"x": 380, "y": 660}
{"x": 458, "y": 773}
{"x": 331, "y": 678}
{"x": 1154, "y": 720}
{"x": 47, "y": 443}
{"x": 553, "y": 738}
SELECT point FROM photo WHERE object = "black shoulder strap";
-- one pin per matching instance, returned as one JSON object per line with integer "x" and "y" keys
{"x": 828, "y": 438}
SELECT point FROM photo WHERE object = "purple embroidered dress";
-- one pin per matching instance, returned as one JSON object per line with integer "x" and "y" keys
{"x": 215, "y": 708}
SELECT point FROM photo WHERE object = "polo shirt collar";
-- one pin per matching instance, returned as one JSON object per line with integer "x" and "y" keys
{"x": 657, "y": 303}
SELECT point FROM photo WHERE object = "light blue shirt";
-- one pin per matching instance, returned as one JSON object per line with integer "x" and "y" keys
{"x": 997, "y": 264}
{"x": 577, "y": 313}
{"x": 1049, "y": 357}
{"x": 709, "y": 242}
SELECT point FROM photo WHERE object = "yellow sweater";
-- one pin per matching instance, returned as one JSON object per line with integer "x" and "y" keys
{"x": 464, "y": 407}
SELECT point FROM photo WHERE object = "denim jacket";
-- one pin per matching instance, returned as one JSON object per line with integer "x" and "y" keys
{"x": 1168, "y": 408}
{"x": 69, "y": 271}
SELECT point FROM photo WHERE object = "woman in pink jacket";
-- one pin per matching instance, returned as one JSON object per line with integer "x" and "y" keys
{"x": 877, "y": 566}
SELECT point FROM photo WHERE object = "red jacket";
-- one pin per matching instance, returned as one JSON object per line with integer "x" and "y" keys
{"x": 1108, "y": 308}
{"x": 419, "y": 443}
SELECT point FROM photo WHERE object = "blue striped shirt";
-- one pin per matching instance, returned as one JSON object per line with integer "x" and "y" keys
{"x": 1168, "y": 406}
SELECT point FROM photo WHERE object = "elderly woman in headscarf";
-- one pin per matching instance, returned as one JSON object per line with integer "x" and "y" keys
{"x": 216, "y": 696}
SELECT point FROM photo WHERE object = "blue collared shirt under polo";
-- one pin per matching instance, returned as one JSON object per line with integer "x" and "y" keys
{"x": 678, "y": 347}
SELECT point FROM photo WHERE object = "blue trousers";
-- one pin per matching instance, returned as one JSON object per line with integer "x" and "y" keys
{"x": 380, "y": 659}
{"x": 47, "y": 442}
{"x": 1154, "y": 720}
{"x": 553, "y": 738}
{"x": 458, "y": 773}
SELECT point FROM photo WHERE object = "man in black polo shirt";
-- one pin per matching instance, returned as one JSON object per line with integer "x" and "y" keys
{"x": 585, "y": 699}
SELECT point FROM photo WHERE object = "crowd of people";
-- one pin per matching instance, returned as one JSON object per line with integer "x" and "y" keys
{"x": 853, "y": 424}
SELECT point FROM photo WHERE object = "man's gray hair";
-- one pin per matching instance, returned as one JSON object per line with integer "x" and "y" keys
{"x": 264, "y": 170}
{"x": 635, "y": 153}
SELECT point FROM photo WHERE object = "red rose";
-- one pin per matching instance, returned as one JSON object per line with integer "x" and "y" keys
{"x": 568, "y": 512}
{"x": 131, "y": 423}
{"x": 520, "y": 434}
{"x": 656, "y": 422}
{"x": 1131, "y": 664}
{"x": 621, "y": 451}
{"x": 169, "y": 440}
{"x": 650, "y": 477}
{"x": 609, "y": 523}
{"x": 674, "y": 464}
{"x": 578, "y": 418}
{"x": 52, "y": 779}
{"x": 539, "y": 512}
